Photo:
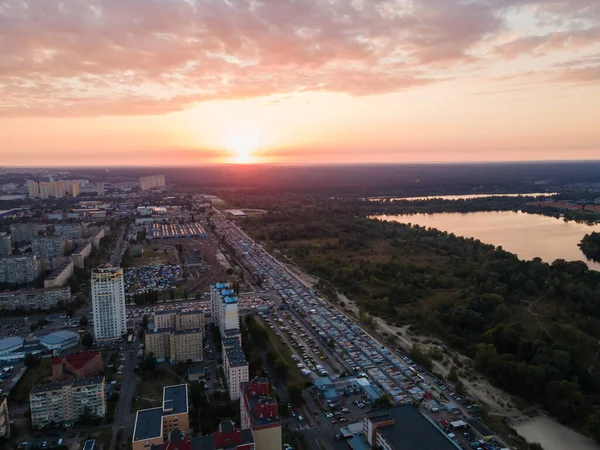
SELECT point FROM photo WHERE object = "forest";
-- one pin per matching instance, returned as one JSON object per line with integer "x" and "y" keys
{"x": 590, "y": 246}
{"x": 532, "y": 327}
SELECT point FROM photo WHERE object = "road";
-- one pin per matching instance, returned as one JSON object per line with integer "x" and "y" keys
{"x": 123, "y": 416}
{"x": 120, "y": 246}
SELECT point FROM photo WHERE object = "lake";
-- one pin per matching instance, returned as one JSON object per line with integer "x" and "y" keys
{"x": 553, "y": 435}
{"x": 460, "y": 197}
{"x": 526, "y": 235}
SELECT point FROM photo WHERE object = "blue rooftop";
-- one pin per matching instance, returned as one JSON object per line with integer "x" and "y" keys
{"x": 221, "y": 285}
{"x": 226, "y": 292}
{"x": 230, "y": 300}
{"x": 148, "y": 424}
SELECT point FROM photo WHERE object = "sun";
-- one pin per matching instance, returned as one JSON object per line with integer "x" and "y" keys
{"x": 243, "y": 148}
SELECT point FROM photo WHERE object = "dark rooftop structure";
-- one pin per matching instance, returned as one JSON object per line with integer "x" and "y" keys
{"x": 235, "y": 356}
{"x": 90, "y": 444}
{"x": 409, "y": 429}
{"x": 178, "y": 398}
{"x": 45, "y": 387}
{"x": 226, "y": 437}
{"x": 232, "y": 332}
{"x": 148, "y": 424}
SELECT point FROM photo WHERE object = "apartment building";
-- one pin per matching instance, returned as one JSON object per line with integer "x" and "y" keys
{"x": 259, "y": 412}
{"x": 153, "y": 426}
{"x": 224, "y": 307}
{"x": 4, "y": 419}
{"x": 60, "y": 275}
{"x": 45, "y": 190}
{"x": 34, "y": 299}
{"x": 19, "y": 269}
{"x": 33, "y": 189}
{"x": 179, "y": 320}
{"x": 100, "y": 190}
{"x": 235, "y": 366}
{"x": 23, "y": 232}
{"x": 72, "y": 188}
{"x": 228, "y": 436}
{"x": 151, "y": 181}
{"x": 5, "y": 244}
{"x": 81, "y": 252}
{"x": 70, "y": 230}
{"x": 66, "y": 401}
{"x": 174, "y": 345}
{"x": 48, "y": 246}
{"x": 108, "y": 302}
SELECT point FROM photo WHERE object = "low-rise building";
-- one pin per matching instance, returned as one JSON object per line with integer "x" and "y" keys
{"x": 259, "y": 412}
{"x": 153, "y": 425}
{"x": 60, "y": 340}
{"x": 60, "y": 275}
{"x": 66, "y": 402}
{"x": 76, "y": 365}
{"x": 404, "y": 427}
{"x": 228, "y": 436}
{"x": 35, "y": 299}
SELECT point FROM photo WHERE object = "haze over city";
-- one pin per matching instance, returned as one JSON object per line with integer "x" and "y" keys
{"x": 181, "y": 82}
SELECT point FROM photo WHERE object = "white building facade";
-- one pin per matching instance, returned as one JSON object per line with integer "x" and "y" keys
{"x": 108, "y": 302}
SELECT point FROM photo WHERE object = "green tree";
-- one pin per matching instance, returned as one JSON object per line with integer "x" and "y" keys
{"x": 453, "y": 375}
{"x": 83, "y": 321}
{"x": 564, "y": 400}
{"x": 31, "y": 360}
{"x": 385, "y": 401}
{"x": 281, "y": 368}
{"x": 294, "y": 390}
{"x": 87, "y": 340}
{"x": 593, "y": 425}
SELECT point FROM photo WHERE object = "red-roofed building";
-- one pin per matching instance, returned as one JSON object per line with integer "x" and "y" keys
{"x": 260, "y": 413}
{"x": 76, "y": 365}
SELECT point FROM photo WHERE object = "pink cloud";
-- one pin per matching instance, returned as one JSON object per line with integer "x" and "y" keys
{"x": 111, "y": 57}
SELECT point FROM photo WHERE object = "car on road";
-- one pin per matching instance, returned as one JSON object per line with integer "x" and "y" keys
{"x": 329, "y": 415}
{"x": 333, "y": 422}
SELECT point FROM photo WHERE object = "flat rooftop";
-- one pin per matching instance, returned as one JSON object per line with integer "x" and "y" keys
{"x": 411, "y": 429}
{"x": 178, "y": 395}
{"x": 148, "y": 424}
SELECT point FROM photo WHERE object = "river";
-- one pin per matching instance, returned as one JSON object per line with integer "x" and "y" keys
{"x": 460, "y": 197}
{"x": 526, "y": 235}
{"x": 553, "y": 435}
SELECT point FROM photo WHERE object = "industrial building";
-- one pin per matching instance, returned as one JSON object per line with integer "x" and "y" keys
{"x": 175, "y": 230}
{"x": 60, "y": 341}
{"x": 66, "y": 401}
{"x": 260, "y": 414}
{"x": 153, "y": 426}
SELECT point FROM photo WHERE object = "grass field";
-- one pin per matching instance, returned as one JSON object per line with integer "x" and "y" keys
{"x": 39, "y": 374}
{"x": 153, "y": 255}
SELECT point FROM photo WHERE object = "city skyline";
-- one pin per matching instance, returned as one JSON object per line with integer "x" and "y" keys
{"x": 183, "y": 82}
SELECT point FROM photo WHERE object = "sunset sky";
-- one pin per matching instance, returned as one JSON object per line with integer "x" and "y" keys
{"x": 169, "y": 82}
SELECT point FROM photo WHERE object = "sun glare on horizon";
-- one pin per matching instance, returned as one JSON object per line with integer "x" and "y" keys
{"x": 243, "y": 148}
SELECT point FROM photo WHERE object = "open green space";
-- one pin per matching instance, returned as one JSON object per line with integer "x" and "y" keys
{"x": 533, "y": 328}
{"x": 151, "y": 255}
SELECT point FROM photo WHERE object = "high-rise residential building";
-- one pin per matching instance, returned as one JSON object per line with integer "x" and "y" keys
{"x": 46, "y": 190}
{"x": 100, "y": 190}
{"x": 235, "y": 366}
{"x": 23, "y": 232}
{"x": 259, "y": 412}
{"x": 5, "y": 244}
{"x": 4, "y": 419}
{"x": 151, "y": 181}
{"x": 224, "y": 307}
{"x": 178, "y": 346}
{"x": 57, "y": 188}
{"x": 33, "y": 189}
{"x": 66, "y": 401}
{"x": 72, "y": 187}
{"x": 19, "y": 269}
{"x": 176, "y": 335}
{"x": 108, "y": 302}
{"x": 154, "y": 425}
